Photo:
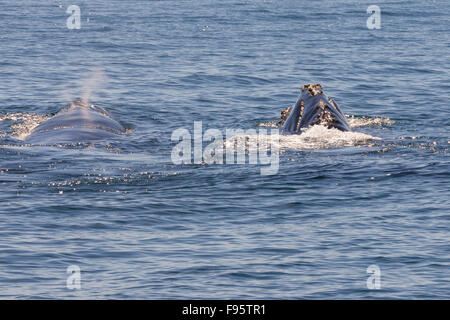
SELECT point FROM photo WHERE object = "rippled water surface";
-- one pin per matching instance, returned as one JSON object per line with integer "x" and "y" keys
{"x": 141, "y": 227}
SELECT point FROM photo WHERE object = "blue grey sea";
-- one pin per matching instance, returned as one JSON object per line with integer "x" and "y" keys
{"x": 343, "y": 209}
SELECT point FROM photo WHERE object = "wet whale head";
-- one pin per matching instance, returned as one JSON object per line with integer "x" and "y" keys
{"x": 313, "y": 107}
{"x": 80, "y": 122}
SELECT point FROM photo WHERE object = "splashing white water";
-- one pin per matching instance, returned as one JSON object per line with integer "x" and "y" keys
{"x": 322, "y": 137}
{"x": 269, "y": 124}
{"x": 24, "y": 123}
{"x": 316, "y": 137}
{"x": 354, "y": 122}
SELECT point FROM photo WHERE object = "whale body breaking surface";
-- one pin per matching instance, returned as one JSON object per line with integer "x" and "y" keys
{"x": 80, "y": 122}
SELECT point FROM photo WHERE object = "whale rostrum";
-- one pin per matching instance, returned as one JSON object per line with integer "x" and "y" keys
{"x": 313, "y": 107}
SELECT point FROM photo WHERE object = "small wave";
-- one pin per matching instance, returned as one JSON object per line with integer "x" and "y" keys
{"x": 356, "y": 122}
{"x": 23, "y": 124}
{"x": 269, "y": 124}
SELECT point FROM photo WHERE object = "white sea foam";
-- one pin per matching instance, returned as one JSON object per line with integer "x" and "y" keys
{"x": 24, "y": 123}
{"x": 322, "y": 137}
{"x": 269, "y": 124}
{"x": 316, "y": 137}
{"x": 364, "y": 121}
{"x": 353, "y": 121}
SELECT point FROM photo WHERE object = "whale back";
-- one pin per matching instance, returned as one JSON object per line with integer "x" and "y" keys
{"x": 314, "y": 107}
{"x": 78, "y": 123}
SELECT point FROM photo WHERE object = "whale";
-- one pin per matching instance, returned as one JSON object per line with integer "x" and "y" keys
{"x": 80, "y": 122}
{"x": 313, "y": 107}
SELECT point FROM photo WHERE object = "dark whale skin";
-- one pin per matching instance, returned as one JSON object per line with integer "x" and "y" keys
{"x": 78, "y": 123}
{"x": 312, "y": 107}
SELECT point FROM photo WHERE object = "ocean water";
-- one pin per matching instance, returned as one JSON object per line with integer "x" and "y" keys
{"x": 140, "y": 226}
